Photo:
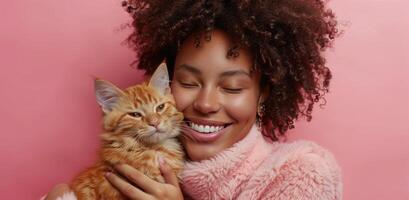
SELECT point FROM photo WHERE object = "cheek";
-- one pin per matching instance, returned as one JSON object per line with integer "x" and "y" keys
{"x": 128, "y": 124}
{"x": 241, "y": 107}
{"x": 182, "y": 98}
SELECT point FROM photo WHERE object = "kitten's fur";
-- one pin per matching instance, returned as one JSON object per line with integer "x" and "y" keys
{"x": 130, "y": 135}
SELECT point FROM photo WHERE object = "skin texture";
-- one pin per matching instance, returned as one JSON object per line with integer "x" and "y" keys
{"x": 148, "y": 189}
{"x": 201, "y": 91}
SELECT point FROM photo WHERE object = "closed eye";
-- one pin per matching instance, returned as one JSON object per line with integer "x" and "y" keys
{"x": 188, "y": 85}
{"x": 233, "y": 90}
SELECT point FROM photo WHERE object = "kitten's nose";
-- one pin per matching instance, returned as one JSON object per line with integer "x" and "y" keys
{"x": 153, "y": 121}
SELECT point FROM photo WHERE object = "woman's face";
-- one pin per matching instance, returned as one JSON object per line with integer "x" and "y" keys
{"x": 219, "y": 96}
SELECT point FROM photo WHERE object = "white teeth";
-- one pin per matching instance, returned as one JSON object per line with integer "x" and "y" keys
{"x": 205, "y": 128}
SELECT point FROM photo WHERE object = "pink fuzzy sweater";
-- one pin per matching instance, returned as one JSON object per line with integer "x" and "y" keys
{"x": 255, "y": 168}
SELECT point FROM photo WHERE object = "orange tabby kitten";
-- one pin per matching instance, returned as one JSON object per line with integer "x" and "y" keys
{"x": 140, "y": 123}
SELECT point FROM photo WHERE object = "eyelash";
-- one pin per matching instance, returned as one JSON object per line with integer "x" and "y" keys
{"x": 229, "y": 90}
{"x": 188, "y": 85}
{"x": 233, "y": 91}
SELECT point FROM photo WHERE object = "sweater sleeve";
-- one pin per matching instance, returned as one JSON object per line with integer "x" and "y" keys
{"x": 65, "y": 196}
{"x": 306, "y": 177}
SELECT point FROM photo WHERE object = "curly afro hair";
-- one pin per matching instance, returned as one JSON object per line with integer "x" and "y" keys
{"x": 286, "y": 37}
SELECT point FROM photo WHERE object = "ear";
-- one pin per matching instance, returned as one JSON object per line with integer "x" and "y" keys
{"x": 108, "y": 95}
{"x": 264, "y": 94}
{"x": 160, "y": 80}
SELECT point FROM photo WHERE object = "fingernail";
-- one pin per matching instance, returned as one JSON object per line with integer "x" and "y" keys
{"x": 161, "y": 160}
{"x": 107, "y": 174}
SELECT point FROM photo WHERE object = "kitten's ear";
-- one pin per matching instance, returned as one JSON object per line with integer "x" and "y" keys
{"x": 160, "y": 80}
{"x": 108, "y": 95}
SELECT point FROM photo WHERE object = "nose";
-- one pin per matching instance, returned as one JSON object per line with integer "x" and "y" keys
{"x": 153, "y": 120}
{"x": 206, "y": 101}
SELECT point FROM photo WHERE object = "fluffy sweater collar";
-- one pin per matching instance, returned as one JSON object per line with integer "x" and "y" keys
{"x": 226, "y": 174}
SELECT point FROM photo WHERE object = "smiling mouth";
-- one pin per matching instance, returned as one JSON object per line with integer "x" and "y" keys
{"x": 206, "y": 127}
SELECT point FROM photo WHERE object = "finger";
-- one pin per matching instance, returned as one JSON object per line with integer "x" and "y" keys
{"x": 167, "y": 172}
{"x": 126, "y": 188}
{"x": 141, "y": 180}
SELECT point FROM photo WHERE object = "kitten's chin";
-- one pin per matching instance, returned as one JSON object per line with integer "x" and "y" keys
{"x": 159, "y": 137}
{"x": 155, "y": 138}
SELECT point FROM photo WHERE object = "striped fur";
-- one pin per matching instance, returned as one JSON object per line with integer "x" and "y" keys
{"x": 128, "y": 139}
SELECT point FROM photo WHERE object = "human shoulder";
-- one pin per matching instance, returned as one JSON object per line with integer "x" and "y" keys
{"x": 304, "y": 151}
{"x": 311, "y": 171}
{"x": 298, "y": 170}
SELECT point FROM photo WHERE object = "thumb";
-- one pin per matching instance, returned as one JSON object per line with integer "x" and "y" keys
{"x": 167, "y": 172}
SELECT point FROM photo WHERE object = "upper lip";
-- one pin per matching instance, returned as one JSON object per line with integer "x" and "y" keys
{"x": 206, "y": 122}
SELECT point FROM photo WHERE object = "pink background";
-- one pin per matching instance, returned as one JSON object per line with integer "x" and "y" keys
{"x": 49, "y": 51}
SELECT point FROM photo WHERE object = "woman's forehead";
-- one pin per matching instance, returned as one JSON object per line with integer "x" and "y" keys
{"x": 213, "y": 53}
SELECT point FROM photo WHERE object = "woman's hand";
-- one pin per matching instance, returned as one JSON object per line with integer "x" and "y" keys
{"x": 150, "y": 189}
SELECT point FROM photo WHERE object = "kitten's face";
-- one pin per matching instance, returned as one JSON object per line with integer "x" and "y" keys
{"x": 145, "y": 115}
{"x": 145, "y": 112}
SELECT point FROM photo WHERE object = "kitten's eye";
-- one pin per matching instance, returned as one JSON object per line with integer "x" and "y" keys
{"x": 160, "y": 107}
{"x": 135, "y": 114}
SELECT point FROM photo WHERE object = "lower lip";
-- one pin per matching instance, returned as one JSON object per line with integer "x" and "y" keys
{"x": 209, "y": 137}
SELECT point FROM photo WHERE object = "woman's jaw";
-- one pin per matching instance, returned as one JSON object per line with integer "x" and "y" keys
{"x": 217, "y": 95}
{"x": 201, "y": 145}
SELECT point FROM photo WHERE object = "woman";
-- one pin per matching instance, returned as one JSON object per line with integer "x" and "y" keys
{"x": 249, "y": 68}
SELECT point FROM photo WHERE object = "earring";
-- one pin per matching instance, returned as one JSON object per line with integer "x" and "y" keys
{"x": 260, "y": 113}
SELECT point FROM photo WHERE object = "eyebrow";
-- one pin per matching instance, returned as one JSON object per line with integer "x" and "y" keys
{"x": 190, "y": 68}
{"x": 196, "y": 71}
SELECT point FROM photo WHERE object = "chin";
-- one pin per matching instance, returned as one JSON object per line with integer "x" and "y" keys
{"x": 197, "y": 152}
{"x": 198, "y": 156}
